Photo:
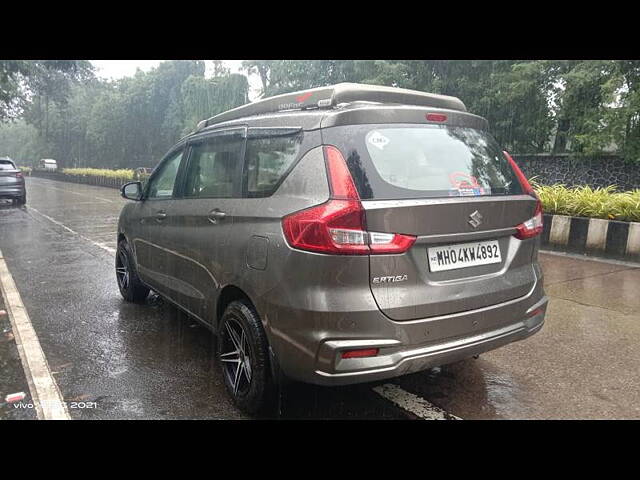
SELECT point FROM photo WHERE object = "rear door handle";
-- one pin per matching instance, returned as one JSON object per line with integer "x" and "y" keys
{"x": 216, "y": 215}
{"x": 161, "y": 215}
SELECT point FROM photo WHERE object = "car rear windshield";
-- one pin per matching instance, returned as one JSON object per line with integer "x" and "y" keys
{"x": 417, "y": 161}
{"x": 7, "y": 165}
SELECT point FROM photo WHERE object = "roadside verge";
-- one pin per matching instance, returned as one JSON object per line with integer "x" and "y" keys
{"x": 46, "y": 396}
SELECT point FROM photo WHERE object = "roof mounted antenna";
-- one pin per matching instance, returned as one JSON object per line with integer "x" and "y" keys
{"x": 334, "y": 95}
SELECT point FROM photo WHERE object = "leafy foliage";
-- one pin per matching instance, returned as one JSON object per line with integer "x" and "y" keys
{"x": 123, "y": 174}
{"x": 19, "y": 79}
{"x": 590, "y": 202}
{"x": 61, "y": 111}
{"x": 204, "y": 97}
{"x": 131, "y": 122}
{"x": 583, "y": 107}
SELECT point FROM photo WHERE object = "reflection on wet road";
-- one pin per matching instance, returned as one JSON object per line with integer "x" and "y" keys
{"x": 151, "y": 361}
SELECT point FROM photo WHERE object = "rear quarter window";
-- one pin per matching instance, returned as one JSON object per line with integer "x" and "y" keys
{"x": 268, "y": 158}
{"x": 418, "y": 161}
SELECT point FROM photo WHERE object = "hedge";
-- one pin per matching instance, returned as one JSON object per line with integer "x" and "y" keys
{"x": 590, "y": 202}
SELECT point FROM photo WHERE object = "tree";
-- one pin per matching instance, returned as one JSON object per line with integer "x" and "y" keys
{"x": 590, "y": 106}
{"x": 218, "y": 69}
{"x": 512, "y": 95}
{"x": 616, "y": 120}
{"x": 204, "y": 98}
{"x": 12, "y": 75}
{"x": 130, "y": 122}
{"x": 579, "y": 103}
{"x": 21, "y": 79}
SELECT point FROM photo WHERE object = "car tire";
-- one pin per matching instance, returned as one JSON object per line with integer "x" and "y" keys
{"x": 243, "y": 355}
{"x": 131, "y": 288}
{"x": 21, "y": 200}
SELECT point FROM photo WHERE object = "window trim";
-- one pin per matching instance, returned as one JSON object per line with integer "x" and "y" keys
{"x": 237, "y": 188}
{"x": 271, "y": 132}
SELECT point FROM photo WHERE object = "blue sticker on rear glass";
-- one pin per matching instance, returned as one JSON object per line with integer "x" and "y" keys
{"x": 470, "y": 192}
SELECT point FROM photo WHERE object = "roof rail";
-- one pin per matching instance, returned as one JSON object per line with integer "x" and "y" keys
{"x": 333, "y": 95}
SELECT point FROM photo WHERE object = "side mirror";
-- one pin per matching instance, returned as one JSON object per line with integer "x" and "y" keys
{"x": 132, "y": 191}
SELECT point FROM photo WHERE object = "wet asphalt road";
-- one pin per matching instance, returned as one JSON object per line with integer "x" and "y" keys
{"x": 151, "y": 361}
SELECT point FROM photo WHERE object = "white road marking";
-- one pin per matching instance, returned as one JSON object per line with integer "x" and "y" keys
{"x": 112, "y": 251}
{"x": 47, "y": 398}
{"x": 413, "y": 403}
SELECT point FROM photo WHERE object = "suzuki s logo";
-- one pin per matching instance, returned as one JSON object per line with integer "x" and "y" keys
{"x": 392, "y": 279}
{"x": 475, "y": 219}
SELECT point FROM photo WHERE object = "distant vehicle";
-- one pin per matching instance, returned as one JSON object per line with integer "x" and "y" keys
{"x": 343, "y": 234}
{"x": 12, "y": 182}
{"x": 143, "y": 172}
{"x": 48, "y": 164}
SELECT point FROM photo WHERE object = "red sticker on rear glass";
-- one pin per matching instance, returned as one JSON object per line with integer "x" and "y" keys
{"x": 463, "y": 180}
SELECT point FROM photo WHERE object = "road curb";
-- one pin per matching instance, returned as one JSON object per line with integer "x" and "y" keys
{"x": 596, "y": 236}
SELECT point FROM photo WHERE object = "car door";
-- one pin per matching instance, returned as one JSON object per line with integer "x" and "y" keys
{"x": 153, "y": 248}
{"x": 204, "y": 215}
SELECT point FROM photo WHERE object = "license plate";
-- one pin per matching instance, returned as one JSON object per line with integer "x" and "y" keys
{"x": 463, "y": 255}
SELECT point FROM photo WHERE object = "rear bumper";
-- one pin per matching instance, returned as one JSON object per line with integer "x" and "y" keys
{"x": 12, "y": 191}
{"x": 313, "y": 354}
{"x": 407, "y": 360}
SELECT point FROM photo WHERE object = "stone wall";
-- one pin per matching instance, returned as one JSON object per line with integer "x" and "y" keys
{"x": 574, "y": 171}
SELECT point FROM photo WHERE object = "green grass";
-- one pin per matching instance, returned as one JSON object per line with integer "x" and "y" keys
{"x": 590, "y": 202}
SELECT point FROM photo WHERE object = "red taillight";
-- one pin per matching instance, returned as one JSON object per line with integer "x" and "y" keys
{"x": 526, "y": 186}
{"x": 19, "y": 175}
{"x": 333, "y": 227}
{"x": 534, "y": 225}
{"x": 340, "y": 180}
{"x": 436, "y": 117}
{"x": 338, "y": 226}
{"x": 369, "y": 352}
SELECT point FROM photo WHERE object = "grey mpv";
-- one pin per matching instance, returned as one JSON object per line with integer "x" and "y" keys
{"x": 338, "y": 235}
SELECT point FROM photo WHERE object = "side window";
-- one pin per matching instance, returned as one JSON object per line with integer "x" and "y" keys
{"x": 213, "y": 165}
{"x": 161, "y": 185}
{"x": 267, "y": 160}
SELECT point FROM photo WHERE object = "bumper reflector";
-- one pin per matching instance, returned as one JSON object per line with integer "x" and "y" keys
{"x": 535, "y": 312}
{"x": 369, "y": 352}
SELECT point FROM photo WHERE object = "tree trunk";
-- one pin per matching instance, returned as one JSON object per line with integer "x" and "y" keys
{"x": 560, "y": 142}
{"x": 263, "y": 71}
